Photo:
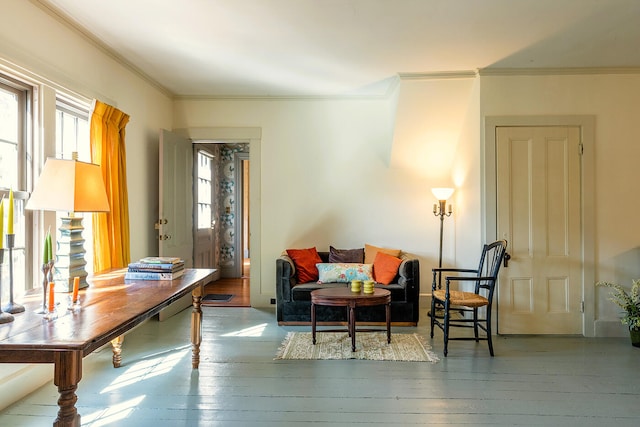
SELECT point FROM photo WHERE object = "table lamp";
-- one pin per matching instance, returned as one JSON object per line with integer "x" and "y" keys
{"x": 71, "y": 186}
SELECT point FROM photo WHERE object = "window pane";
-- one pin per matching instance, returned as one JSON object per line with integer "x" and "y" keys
{"x": 8, "y": 116}
{"x": 9, "y": 125}
{"x": 204, "y": 190}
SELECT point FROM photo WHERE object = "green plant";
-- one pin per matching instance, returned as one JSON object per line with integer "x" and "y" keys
{"x": 628, "y": 301}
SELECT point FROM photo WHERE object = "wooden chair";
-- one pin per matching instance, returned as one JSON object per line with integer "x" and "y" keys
{"x": 464, "y": 305}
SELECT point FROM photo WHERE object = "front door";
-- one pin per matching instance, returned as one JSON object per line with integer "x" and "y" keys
{"x": 538, "y": 213}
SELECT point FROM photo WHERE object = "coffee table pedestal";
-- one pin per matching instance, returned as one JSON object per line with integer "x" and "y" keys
{"x": 344, "y": 297}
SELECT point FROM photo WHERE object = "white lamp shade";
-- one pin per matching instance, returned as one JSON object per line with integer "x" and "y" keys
{"x": 71, "y": 186}
{"x": 442, "y": 193}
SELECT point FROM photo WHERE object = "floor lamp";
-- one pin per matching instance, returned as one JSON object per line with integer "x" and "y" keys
{"x": 70, "y": 186}
{"x": 439, "y": 209}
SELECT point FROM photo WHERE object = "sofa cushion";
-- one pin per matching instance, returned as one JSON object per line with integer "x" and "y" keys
{"x": 346, "y": 255}
{"x": 305, "y": 260}
{"x": 370, "y": 252}
{"x": 344, "y": 272}
{"x": 303, "y": 292}
{"x": 385, "y": 268}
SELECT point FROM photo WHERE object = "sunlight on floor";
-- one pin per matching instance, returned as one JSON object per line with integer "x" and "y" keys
{"x": 113, "y": 413}
{"x": 151, "y": 366}
{"x": 254, "y": 331}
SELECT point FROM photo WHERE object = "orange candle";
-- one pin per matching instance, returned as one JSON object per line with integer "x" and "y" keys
{"x": 52, "y": 302}
{"x": 76, "y": 286}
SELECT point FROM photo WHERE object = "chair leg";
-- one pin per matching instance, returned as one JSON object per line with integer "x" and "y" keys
{"x": 433, "y": 314}
{"x": 446, "y": 327}
{"x": 488, "y": 325}
{"x": 475, "y": 324}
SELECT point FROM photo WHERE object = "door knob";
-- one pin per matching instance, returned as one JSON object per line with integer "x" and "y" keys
{"x": 507, "y": 257}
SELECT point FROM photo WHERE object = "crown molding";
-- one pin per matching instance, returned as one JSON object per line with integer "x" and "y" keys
{"x": 439, "y": 75}
{"x": 557, "y": 71}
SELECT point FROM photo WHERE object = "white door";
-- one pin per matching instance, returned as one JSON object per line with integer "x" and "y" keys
{"x": 204, "y": 248}
{"x": 538, "y": 212}
{"x": 175, "y": 225}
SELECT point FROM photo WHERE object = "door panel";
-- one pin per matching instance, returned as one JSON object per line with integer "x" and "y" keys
{"x": 538, "y": 188}
{"x": 175, "y": 227}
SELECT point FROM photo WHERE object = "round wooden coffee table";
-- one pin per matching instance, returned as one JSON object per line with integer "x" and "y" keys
{"x": 343, "y": 297}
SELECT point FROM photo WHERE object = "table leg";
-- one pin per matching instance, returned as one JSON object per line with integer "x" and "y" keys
{"x": 352, "y": 326}
{"x": 196, "y": 326}
{"x": 388, "y": 315}
{"x": 116, "y": 343}
{"x": 67, "y": 375}
{"x": 313, "y": 323}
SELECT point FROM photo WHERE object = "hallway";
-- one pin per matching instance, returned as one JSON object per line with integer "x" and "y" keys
{"x": 238, "y": 287}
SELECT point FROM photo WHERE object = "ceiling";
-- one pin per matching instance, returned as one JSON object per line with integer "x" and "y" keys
{"x": 315, "y": 48}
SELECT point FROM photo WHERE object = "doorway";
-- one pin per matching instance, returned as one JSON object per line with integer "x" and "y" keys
{"x": 230, "y": 220}
{"x": 555, "y": 286}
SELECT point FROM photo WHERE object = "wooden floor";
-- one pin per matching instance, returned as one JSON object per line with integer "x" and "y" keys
{"x": 239, "y": 288}
{"x": 556, "y": 381}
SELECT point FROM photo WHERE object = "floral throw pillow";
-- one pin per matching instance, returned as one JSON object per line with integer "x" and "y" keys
{"x": 344, "y": 272}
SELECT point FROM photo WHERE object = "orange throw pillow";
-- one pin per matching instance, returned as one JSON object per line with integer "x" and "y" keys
{"x": 305, "y": 261}
{"x": 385, "y": 268}
{"x": 370, "y": 252}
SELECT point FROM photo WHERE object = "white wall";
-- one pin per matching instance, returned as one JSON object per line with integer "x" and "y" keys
{"x": 56, "y": 55}
{"x": 348, "y": 172}
{"x": 614, "y": 100}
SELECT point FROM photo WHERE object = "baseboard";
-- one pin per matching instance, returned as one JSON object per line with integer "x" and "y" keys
{"x": 611, "y": 328}
{"x": 18, "y": 381}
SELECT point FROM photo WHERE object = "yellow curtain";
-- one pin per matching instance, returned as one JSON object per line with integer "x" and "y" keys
{"x": 111, "y": 230}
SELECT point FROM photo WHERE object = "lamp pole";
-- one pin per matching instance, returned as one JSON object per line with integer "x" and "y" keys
{"x": 440, "y": 210}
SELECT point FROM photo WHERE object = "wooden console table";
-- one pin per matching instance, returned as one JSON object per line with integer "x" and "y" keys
{"x": 109, "y": 308}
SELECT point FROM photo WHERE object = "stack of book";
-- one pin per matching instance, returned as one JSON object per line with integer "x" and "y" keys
{"x": 155, "y": 268}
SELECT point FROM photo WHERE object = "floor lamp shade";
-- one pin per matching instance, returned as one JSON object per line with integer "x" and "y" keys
{"x": 70, "y": 186}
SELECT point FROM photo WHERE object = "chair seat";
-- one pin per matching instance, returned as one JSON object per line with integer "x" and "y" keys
{"x": 467, "y": 299}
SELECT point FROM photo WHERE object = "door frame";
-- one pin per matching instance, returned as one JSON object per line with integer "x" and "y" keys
{"x": 586, "y": 123}
{"x": 260, "y": 295}
{"x": 239, "y": 208}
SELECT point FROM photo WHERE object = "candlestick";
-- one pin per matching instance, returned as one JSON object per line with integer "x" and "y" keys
{"x": 4, "y": 317}
{"x": 45, "y": 282}
{"x": 12, "y": 307}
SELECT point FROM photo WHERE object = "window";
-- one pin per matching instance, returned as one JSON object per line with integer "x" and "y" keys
{"x": 72, "y": 130}
{"x": 72, "y": 141}
{"x": 13, "y": 146}
{"x": 205, "y": 177}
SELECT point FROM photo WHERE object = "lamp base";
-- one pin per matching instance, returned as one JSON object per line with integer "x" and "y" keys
{"x": 70, "y": 252}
